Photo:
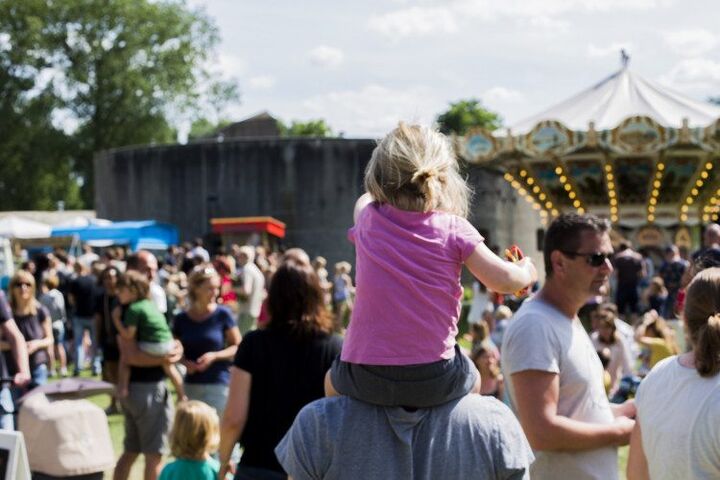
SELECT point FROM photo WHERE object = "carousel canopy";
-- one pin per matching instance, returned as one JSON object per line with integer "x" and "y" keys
{"x": 621, "y": 95}
{"x": 627, "y": 149}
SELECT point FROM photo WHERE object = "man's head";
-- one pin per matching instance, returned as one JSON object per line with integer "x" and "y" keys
{"x": 577, "y": 250}
{"x": 143, "y": 262}
{"x": 246, "y": 254}
{"x": 671, "y": 252}
{"x": 711, "y": 236}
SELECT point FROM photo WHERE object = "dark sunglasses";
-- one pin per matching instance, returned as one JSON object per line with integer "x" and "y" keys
{"x": 22, "y": 284}
{"x": 593, "y": 259}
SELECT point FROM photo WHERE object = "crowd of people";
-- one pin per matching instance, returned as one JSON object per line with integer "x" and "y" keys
{"x": 317, "y": 376}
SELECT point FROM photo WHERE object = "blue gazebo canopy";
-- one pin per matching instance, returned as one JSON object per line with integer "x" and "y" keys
{"x": 144, "y": 234}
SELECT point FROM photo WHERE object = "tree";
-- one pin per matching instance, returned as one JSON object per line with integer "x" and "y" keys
{"x": 203, "y": 127}
{"x": 465, "y": 114}
{"x": 311, "y": 128}
{"x": 124, "y": 69}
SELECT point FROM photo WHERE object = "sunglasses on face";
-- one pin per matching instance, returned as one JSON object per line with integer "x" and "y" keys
{"x": 22, "y": 284}
{"x": 596, "y": 259}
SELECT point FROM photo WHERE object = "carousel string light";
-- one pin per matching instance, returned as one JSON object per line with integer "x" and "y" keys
{"x": 532, "y": 186}
{"x": 655, "y": 192}
{"x": 694, "y": 192}
{"x": 612, "y": 193}
{"x": 572, "y": 195}
{"x": 711, "y": 210}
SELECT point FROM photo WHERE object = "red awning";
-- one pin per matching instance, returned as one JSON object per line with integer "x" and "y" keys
{"x": 270, "y": 225}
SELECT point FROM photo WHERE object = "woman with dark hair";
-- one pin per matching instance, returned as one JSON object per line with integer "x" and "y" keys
{"x": 105, "y": 302}
{"x": 277, "y": 371}
{"x": 678, "y": 403}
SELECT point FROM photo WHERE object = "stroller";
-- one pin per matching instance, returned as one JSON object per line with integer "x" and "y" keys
{"x": 66, "y": 439}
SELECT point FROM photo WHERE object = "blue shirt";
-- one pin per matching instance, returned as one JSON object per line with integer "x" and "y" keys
{"x": 201, "y": 336}
{"x": 186, "y": 469}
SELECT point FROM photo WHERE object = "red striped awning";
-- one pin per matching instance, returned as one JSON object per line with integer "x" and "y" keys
{"x": 271, "y": 225}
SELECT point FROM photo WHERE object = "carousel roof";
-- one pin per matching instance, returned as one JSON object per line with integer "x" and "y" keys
{"x": 619, "y": 96}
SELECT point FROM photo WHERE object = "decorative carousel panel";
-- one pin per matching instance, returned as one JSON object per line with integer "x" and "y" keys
{"x": 549, "y": 137}
{"x": 632, "y": 179}
{"x": 479, "y": 145}
{"x": 638, "y": 135}
{"x": 588, "y": 178}
{"x": 679, "y": 171}
{"x": 545, "y": 174}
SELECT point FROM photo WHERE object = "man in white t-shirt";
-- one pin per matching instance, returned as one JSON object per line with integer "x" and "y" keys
{"x": 252, "y": 290}
{"x": 556, "y": 378}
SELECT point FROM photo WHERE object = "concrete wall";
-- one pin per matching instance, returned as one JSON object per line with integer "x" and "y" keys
{"x": 310, "y": 184}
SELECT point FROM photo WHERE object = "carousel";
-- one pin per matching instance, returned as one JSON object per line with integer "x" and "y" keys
{"x": 626, "y": 148}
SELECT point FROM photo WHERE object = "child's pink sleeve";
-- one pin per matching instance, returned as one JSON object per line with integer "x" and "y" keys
{"x": 466, "y": 238}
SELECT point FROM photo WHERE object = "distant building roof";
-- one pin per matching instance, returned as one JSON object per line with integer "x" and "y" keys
{"x": 261, "y": 125}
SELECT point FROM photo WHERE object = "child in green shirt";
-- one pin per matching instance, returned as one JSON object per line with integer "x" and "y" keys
{"x": 143, "y": 322}
{"x": 194, "y": 436}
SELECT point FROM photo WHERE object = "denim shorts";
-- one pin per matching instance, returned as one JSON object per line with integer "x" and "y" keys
{"x": 419, "y": 386}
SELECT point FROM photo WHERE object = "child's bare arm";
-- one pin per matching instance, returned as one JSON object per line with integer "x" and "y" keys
{"x": 497, "y": 274}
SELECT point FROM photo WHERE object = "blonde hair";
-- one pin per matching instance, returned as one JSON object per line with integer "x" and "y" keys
{"x": 702, "y": 317}
{"x": 23, "y": 276}
{"x": 195, "y": 432}
{"x": 198, "y": 276}
{"x": 414, "y": 168}
{"x": 136, "y": 282}
{"x": 343, "y": 267}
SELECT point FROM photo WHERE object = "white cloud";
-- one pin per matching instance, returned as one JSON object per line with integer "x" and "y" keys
{"x": 261, "y": 82}
{"x": 414, "y": 21}
{"x": 231, "y": 65}
{"x": 547, "y": 24}
{"x": 691, "y": 43}
{"x": 492, "y": 9}
{"x": 611, "y": 50}
{"x": 499, "y": 95}
{"x": 326, "y": 56}
{"x": 699, "y": 74}
{"x": 373, "y": 110}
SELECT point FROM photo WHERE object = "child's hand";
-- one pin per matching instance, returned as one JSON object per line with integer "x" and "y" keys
{"x": 515, "y": 255}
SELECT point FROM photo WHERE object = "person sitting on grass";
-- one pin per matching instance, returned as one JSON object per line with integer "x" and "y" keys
{"x": 144, "y": 322}
{"x": 195, "y": 435}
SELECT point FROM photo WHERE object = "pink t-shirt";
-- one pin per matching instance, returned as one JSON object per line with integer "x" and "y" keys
{"x": 408, "y": 288}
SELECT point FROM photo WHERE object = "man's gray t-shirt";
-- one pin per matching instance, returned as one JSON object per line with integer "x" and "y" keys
{"x": 343, "y": 438}
{"x": 540, "y": 337}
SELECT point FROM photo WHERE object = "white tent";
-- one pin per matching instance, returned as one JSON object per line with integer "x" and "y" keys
{"x": 18, "y": 227}
{"x": 622, "y": 95}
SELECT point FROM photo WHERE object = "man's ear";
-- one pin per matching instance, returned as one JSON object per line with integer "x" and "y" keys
{"x": 558, "y": 261}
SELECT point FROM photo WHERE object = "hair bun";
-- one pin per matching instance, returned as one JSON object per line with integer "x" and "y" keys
{"x": 423, "y": 174}
{"x": 714, "y": 320}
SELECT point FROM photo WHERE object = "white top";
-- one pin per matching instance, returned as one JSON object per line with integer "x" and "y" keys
{"x": 480, "y": 304}
{"x": 158, "y": 297}
{"x": 679, "y": 415}
{"x": 619, "y": 365}
{"x": 621, "y": 95}
{"x": 542, "y": 338}
{"x": 253, "y": 283}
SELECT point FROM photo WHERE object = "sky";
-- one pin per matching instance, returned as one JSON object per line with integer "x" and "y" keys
{"x": 363, "y": 66}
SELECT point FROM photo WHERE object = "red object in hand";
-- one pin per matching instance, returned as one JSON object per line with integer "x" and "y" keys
{"x": 514, "y": 254}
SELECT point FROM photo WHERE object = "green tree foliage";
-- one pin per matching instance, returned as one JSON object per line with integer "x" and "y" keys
{"x": 203, "y": 127}
{"x": 311, "y": 128}
{"x": 121, "y": 69}
{"x": 465, "y": 114}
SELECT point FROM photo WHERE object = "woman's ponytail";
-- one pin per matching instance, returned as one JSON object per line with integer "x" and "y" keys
{"x": 707, "y": 347}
